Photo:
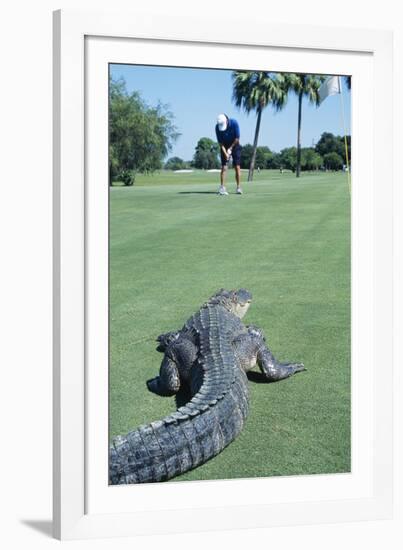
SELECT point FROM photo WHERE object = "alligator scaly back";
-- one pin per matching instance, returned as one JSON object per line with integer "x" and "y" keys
{"x": 203, "y": 427}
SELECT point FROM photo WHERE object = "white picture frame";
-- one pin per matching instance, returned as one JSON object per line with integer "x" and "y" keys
{"x": 84, "y": 505}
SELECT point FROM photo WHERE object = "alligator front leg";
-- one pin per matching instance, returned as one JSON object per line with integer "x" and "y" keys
{"x": 272, "y": 369}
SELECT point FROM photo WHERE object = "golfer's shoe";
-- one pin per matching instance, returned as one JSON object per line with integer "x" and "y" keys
{"x": 239, "y": 191}
{"x": 222, "y": 191}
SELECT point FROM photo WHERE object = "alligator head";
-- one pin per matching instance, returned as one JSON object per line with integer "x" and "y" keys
{"x": 236, "y": 301}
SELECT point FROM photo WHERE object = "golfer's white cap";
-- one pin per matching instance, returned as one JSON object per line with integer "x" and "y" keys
{"x": 222, "y": 122}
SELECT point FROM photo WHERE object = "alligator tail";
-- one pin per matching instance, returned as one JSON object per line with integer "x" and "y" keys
{"x": 183, "y": 440}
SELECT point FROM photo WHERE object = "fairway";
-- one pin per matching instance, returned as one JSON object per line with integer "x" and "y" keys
{"x": 174, "y": 242}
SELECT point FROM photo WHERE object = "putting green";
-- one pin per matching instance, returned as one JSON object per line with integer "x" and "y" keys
{"x": 173, "y": 242}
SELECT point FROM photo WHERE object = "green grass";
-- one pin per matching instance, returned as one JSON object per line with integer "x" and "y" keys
{"x": 173, "y": 242}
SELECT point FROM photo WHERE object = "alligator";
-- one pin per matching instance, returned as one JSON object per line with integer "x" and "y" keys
{"x": 209, "y": 357}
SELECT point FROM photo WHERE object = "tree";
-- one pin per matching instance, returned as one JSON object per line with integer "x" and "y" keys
{"x": 329, "y": 143}
{"x": 333, "y": 161}
{"x": 264, "y": 157}
{"x": 288, "y": 158}
{"x": 275, "y": 162}
{"x": 310, "y": 159}
{"x": 175, "y": 163}
{"x": 206, "y": 154}
{"x": 246, "y": 155}
{"x": 303, "y": 85}
{"x": 140, "y": 136}
{"x": 254, "y": 91}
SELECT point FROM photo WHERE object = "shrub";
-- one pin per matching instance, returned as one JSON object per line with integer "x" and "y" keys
{"x": 127, "y": 177}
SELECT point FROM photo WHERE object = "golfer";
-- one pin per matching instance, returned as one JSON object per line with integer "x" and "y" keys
{"x": 227, "y": 132}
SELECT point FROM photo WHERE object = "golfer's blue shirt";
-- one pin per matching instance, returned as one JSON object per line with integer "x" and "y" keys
{"x": 228, "y": 136}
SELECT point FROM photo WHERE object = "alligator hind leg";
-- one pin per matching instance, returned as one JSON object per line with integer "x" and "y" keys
{"x": 168, "y": 382}
{"x": 272, "y": 369}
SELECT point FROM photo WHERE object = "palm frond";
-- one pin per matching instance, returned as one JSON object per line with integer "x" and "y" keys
{"x": 254, "y": 90}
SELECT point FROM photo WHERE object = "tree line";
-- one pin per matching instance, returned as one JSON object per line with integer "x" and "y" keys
{"x": 141, "y": 136}
{"x": 328, "y": 154}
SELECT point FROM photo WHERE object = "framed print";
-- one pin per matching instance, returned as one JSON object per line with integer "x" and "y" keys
{"x": 157, "y": 242}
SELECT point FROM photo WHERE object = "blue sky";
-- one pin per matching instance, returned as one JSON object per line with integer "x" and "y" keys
{"x": 197, "y": 96}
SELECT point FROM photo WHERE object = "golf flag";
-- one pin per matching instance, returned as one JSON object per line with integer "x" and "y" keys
{"x": 330, "y": 86}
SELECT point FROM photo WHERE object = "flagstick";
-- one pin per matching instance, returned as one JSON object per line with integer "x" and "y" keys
{"x": 345, "y": 135}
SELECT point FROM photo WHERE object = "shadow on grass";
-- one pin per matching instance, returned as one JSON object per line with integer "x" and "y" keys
{"x": 258, "y": 377}
{"x": 197, "y": 193}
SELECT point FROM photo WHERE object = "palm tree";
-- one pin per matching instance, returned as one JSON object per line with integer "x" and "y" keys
{"x": 303, "y": 85}
{"x": 254, "y": 91}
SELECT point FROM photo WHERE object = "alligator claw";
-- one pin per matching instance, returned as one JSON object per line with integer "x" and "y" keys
{"x": 299, "y": 367}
